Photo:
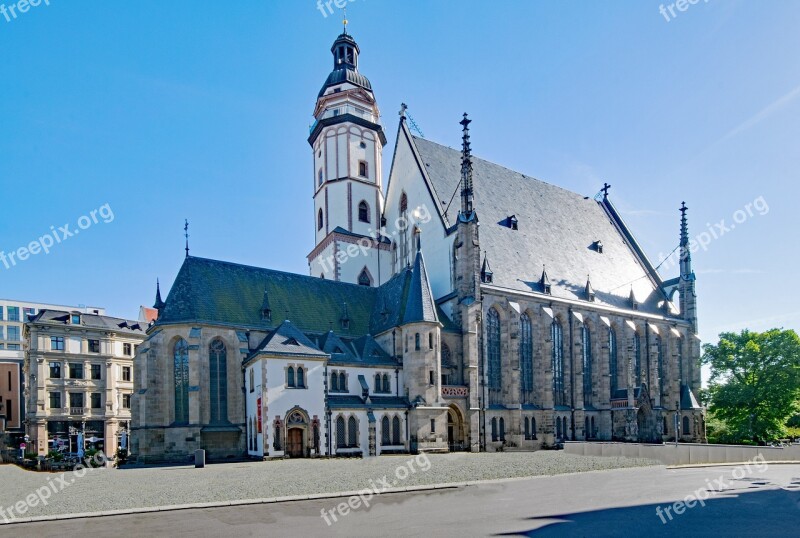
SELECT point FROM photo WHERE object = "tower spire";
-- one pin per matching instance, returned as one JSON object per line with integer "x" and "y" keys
{"x": 159, "y": 304}
{"x": 466, "y": 168}
{"x": 186, "y": 235}
{"x": 686, "y": 256}
{"x": 344, "y": 22}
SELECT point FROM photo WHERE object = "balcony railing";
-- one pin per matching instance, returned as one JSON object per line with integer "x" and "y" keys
{"x": 76, "y": 410}
{"x": 455, "y": 391}
{"x": 346, "y": 109}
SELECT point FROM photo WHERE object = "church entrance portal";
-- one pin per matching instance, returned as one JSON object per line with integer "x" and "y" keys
{"x": 294, "y": 444}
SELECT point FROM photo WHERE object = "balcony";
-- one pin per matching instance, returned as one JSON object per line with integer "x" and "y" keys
{"x": 346, "y": 109}
{"x": 76, "y": 410}
{"x": 455, "y": 391}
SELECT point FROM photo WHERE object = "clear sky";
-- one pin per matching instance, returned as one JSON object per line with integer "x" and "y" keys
{"x": 200, "y": 110}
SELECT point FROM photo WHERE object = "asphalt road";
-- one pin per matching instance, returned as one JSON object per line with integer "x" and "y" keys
{"x": 736, "y": 501}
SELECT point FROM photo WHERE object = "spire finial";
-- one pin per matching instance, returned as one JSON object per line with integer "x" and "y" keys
{"x": 186, "y": 235}
{"x": 418, "y": 235}
{"x": 686, "y": 256}
{"x": 159, "y": 304}
{"x": 403, "y": 108}
{"x": 466, "y": 167}
{"x": 344, "y": 21}
{"x": 605, "y": 189}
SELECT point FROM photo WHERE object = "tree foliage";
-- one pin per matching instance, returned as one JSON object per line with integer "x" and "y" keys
{"x": 755, "y": 382}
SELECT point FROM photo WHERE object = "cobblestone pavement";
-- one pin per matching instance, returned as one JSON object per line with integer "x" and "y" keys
{"x": 113, "y": 489}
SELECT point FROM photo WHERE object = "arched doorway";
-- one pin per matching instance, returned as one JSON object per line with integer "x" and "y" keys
{"x": 296, "y": 433}
{"x": 455, "y": 430}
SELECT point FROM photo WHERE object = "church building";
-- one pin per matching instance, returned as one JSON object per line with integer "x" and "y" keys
{"x": 460, "y": 306}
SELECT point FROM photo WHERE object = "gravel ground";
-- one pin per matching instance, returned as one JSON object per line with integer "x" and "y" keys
{"x": 112, "y": 489}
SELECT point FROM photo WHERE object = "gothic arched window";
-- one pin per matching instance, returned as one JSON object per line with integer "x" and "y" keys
{"x": 340, "y": 433}
{"x": 417, "y": 343}
{"x": 612, "y": 359}
{"x": 334, "y": 382}
{"x": 364, "y": 279}
{"x": 403, "y": 203}
{"x": 352, "y": 432}
{"x": 363, "y": 211}
{"x": 290, "y": 377}
{"x": 396, "y": 430}
{"x": 180, "y": 356}
{"x": 320, "y": 219}
{"x": 301, "y": 378}
{"x": 526, "y": 358}
{"x": 493, "y": 344}
{"x": 637, "y": 359}
{"x": 377, "y": 382}
{"x": 558, "y": 362}
{"x": 386, "y": 386}
{"x": 687, "y": 427}
{"x": 586, "y": 339}
{"x": 342, "y": 382}
{"x": 252, "y": 379}
{"x": 218, "y": 381}
{"x": 494, "y": 428}
{"x": 403, "y": 224}
{"x": 385, "y": 431}
{"x": 502, "y": 429}
{"x": 660, "y": 365}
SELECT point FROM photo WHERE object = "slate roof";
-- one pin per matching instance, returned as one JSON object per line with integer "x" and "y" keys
{"x": 557, "y": 228}
{"x": 688, "y": 401}
{"x": 91, "y": 321}
{"x": 420, "y": 305}
{"x": 288, "y": 340}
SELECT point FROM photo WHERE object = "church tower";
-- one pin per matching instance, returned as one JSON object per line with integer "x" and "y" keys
{"x": 347, "y": 141}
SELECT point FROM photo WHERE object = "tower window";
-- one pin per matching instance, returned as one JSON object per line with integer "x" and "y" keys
{"x": 362, "y": 168}
{"x": 363, "y": 211}
{"x": 362, "y": 145}
{"x": 364, "y": 279}
{"x": 320, "y": 220}
{"x": 319, "y": 177}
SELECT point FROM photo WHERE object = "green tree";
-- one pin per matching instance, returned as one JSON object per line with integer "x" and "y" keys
{"x": 755, "y": 382}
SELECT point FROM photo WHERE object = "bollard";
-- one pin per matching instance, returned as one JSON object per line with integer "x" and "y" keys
{"x": 199, "y": 459}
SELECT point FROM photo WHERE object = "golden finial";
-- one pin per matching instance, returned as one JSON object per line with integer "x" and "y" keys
{"x": 344, "y": 21}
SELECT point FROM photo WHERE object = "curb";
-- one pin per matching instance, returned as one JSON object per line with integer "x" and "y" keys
{"x": 730, "y": 464}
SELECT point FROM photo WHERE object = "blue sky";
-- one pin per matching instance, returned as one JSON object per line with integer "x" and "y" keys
{"x": 200, "y": 110}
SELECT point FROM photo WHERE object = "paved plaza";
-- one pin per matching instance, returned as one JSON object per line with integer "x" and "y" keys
{"x": 113, "y": 489}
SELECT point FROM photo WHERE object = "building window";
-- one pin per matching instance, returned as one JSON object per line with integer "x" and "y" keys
{"x": 352, "y": 432}
{"x": 637, "y": 359}
{"x": 433, "y": 425}
{"x": 180, "y": 361}
{"x": 319, "y": 177}
{"x": 396, "y": 431}
{"x": 218, "y": 381}
{"x": 660, "y": 364}
{"x": 587, "y": 366}
{"x": 378, "y": 386}
{"x": 363, "y": 211}
{"x": 96, "y": 371}
{"x": 558, "y": 362}
{"x": 526, "y": 358}
{"x": 96, "y": 400}
{"x": 320, "y": 220}
{"x": 364, "y": 279}
{"x": 430, "y": 340}
{"x": 386, "y": 386}
{"x": 55, "y": 400}
{"x": 363, "y": 169}
{"x": 57, "y": 343}
{"x": 55, "y": 370}
{"x": 342, "y": 382}
{"x": 502, "y": 429}
{"x": 290, "y": 377}
{"x": 431, "y": 378}
{"x": 94, "y": 346}
{"x": 75, "y": 319}
{"x": 494, "y": 429}
{"x": 75, "y": 370}
{"x": 76, "y": 399}
{"x": 612, "y": 359}
{"x": 385, "y": 431}
{"x": 301, "y": 378}
{"x": 13, "y": 334}
{"x": 252, "y": 380}
{"x": 126, "y": 350}
{"x": 493, "y": 348}
{"x": 13, "y": 313}
{"x": 334, "y": 382}
{"x": 404, "y": 229}
{"x": 341, "y": 435}
{"x": 126, "y": 373}
{"x": 687, "y": 427}
{"x": 14, "y": 347}
{"x": 126, "y": 401}
{"x": 527, "y": 430}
